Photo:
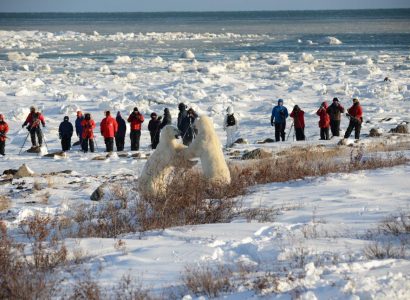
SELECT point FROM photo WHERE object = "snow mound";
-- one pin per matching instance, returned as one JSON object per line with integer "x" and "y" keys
{"x": 23, "y": 91}
{"x": 68, "y": 109}
{"x": 16, "y": 56}
{"x": 176, "y": 68}
{"x": 131, "y": 76}
{"x": 24, "y": 171}
{"x": 19, "y": 114}
{"x": 307, "y": 57}
{"x": 105, "y": 70}
{"x": 123, "y": 60}
{"x": 188, "y": 54}
{"x": 360, "y": 60}
{"x": 157, "y": 60}
{"x": 212, "y": 69}
{"x": 282, "y": 60}
{"x": 330, "y": 40}
{"x": 44, "y": 69}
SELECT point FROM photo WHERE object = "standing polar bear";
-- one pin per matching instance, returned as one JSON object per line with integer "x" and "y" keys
{"x": 208, "y": 148}
{"x": 155, "y": 175}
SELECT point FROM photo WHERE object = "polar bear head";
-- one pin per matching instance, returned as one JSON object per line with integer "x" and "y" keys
{"x": 204, "y": 125}
{"x": 169, "y": 133}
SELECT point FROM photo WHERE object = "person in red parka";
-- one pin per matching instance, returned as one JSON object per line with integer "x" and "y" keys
{"x": 136, "y": 119}
{"x": 298, "y": 116}
{"x": 324, "y": 121}
{"x": 88, "y": 125}
{"x": 4, "y": 128}
{"x": 109, "y": 128}
{"x": 355, "y": 114}
{"x": 34, "y": 119}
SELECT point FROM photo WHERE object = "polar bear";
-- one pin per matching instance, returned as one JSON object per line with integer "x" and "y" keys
{"x": 208, "y": 148}
{"x": 156, "y": 173}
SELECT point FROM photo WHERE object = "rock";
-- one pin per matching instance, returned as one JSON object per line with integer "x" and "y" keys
{"x": 241, "y": 141}
{"x": 342, "y": 142}
{"x": 374, "y": 132}
{"x": 265, "y": 141}
{"x": 257, "y": 154}
{"x": 9, "y": 172}
{"x": 23, "y": 171}
{"x": 401, "y": 128}
{"x": 56, "y": 154}
{"x": 97, "y": 194}
{"x": 99, "y": 158}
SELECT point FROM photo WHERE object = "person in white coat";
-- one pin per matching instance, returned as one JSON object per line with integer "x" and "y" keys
{"x": 230, "y": 126}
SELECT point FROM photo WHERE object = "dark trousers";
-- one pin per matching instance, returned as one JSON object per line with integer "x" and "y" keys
{"x": 66, "y": 143}
{"x": 357, "y": 125}
{"x": 85, "y": 143}
{"x": 119, "y": 142}
{"x": 154, "y": 140}
{"x": 36, "y": 131}
{"x": 2, "y": 147}
{"x": 300, "y": 134}
{"x": 280, "y": 131}
{"x": 324, "y": 133}
{"x": 335, "y": 127}
{"x": 135, "y": 139}
{"x": 109, "y": 144}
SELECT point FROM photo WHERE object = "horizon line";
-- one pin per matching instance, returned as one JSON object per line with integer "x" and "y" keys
{"x": 201, "y": 11}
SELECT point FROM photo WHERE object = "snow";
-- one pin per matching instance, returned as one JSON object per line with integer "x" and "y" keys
{"x": 335, "y": 212}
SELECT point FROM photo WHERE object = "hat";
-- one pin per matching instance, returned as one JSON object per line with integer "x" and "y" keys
{"x": 119, "y": 114}
{"x": 355, "y": 100}
{"x": 32, "y": 108}
{"x": 66, "y": 118}
{"x": 153, "y": 115}
{"x": 335, "y": 99}
{"x": 107, "y": 113}
{"x": 181, "y": 106}
{"x": 280, "y": 101}
{"x": 135, "y": 108}
{"x": 229, "y": 110}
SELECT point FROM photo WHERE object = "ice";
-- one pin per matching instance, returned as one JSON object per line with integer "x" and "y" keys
{"x": 330, "y": 40}
{"x": 105, "y": 70}
{"x": 188, "y": 54}
{"x": 307, "y": 57}
{"x": 123, "y": 60}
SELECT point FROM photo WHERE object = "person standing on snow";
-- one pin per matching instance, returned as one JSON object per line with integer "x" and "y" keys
{"x": 154, "y": 127}
{"x": 4, "y": 128}
{"x": 298, "y": 116}
{"x": 230, "y": 126}
{"x": 65, "y": 132}
{"x": 136, "y": 119}
{"x": 186, "y": 119}
{"x": 334, "y": 111}
{"x": 324, "y": 121}
{"x": 88, "y": 126}
{"x": 355, "y": 114}
{"x": 79, "y": 127}
{"x": 34, "y": 119}
{"x": 278, "y": 119}
{"x": 166, "y": 118}
{"x": 109, "y": 128}
{"x": 120, "y": 135}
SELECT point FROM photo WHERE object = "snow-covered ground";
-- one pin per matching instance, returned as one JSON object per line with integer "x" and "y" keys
{"x": 324, "y": 223}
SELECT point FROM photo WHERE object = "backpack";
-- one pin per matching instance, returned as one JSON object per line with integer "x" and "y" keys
{"x": 230, "y": 120}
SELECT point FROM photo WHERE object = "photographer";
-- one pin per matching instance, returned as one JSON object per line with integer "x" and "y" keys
{"x": 186, "y": 119}
{"x": 355, "y": 114}
{"x": 4, "y": 128}
{"x": 298, "y": 116}
{"x": 88, "y": 126}
{"x": 278, "y": 119}
{"x": 136, "y": 119}
{"x": 34, "y": 119}
{"x": 324, "y": 121}
{"x": 154, "y": 128}
{"x": 334, "y": 111}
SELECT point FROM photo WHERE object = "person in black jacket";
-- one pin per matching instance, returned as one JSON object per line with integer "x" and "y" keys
{"x": 120, "y": 135}
{"x": 65, "y": 132}
{"x": 166, "y": 119}
{"x": 154, "y": 127}
{"x": 186, "y": 119}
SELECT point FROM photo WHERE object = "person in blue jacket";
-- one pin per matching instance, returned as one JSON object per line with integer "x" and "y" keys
{"x": 278, "y": 119}
{"x": 65, "y": 132}
{"x": 120, "y": 135}
{"x": 79, "y": 127}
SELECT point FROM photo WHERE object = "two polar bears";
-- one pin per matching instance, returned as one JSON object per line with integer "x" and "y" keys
{"x": 170, "y": 154}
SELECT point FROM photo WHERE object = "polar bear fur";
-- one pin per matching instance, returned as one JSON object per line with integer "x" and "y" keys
{"x": 208, "y": 148}
{"x": 156, "y": 173}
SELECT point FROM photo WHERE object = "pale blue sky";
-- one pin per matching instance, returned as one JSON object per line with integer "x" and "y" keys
{"x": 190, "y": 5}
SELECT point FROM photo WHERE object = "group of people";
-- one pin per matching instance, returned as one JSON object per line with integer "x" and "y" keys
{"x": 114, "y": 129}
{"x": 329, "y": 118}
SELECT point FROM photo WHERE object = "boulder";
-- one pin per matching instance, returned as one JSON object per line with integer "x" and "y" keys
{"x": 241, "y": 141}
{"x": 56, "y": 154}
{"x": 401, "y": 128}
{"x": 257, "y": 154}
{"x": 265, "y": 141}
{"x": 374, "y": 132}
{"x": 98, "y": 194}
{"x": 23, "y": 171}
{"x": 34, "y": 149}
{"x": 9, "y": 172}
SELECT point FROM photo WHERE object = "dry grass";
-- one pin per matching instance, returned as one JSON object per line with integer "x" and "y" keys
{"x": 396, "y": 224}
{"x": 207, "y": 280}
{"x": 4, "y": 202}
{"x": 383, "y": 250}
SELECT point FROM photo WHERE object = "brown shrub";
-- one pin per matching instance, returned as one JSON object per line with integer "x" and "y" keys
{"x": 396, "y": 224}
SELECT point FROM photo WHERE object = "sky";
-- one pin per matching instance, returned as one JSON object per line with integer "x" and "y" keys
{"x": 190, "y": 5}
